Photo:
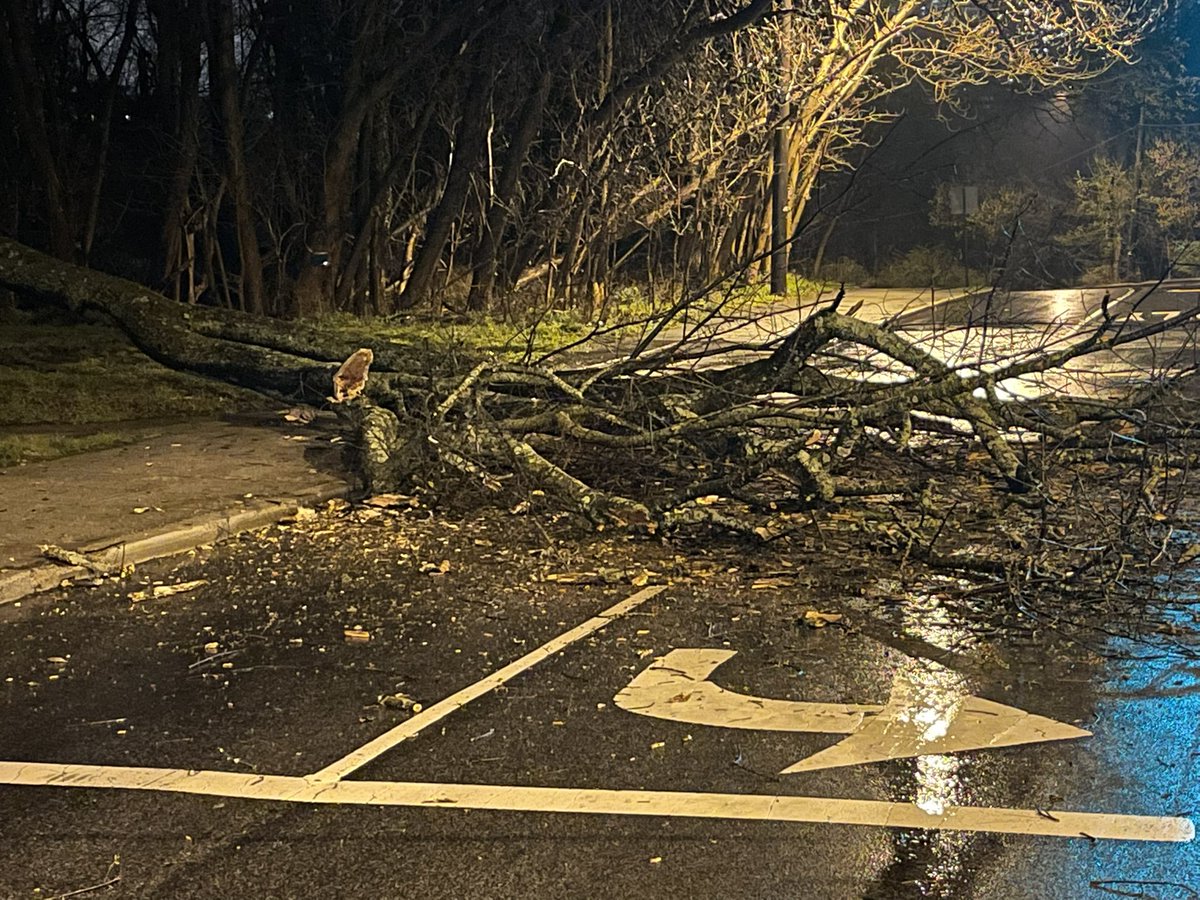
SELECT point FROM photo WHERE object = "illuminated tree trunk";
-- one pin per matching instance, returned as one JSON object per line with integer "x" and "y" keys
{"x": 781, "y": 182}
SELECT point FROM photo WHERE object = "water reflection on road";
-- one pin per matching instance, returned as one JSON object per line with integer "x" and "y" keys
{"x": 1147, "y": 757}
{"x": 985, "y": 332}
{"x": 933, "y": 862}
{"x": 935, "y": 695}
{"x": 1142, "y": 703}
{"x": 1144, "y": 758}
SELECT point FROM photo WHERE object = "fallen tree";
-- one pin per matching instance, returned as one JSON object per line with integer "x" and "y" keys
{"x": 693, "y": 426}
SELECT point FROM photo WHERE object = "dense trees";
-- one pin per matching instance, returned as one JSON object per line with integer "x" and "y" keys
{"x": 374, "y": 155}
{"x": 1109, "y": 221}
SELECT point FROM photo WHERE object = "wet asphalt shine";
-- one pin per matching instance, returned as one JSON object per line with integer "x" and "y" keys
{"x": 229, "y": 702}
{"x": 426, "y": 714}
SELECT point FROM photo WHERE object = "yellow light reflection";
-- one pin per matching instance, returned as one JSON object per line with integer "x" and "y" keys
{"x": 938, "y": 786}
{"x": 930, "y": 698}
{"x": 934, "y": 696}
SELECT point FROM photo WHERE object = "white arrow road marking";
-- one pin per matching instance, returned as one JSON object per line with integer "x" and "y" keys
{"x": 916, "y": 721}
{"x": 326, "y": 786}
{"x": 676, "y": 687}
{"x": 749, "y": 807}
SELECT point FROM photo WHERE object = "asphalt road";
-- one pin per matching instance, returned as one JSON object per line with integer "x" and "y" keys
{"x": 422, "y": 710}
{"x": 984, "y": 331}
{"x": 234, "y": 741}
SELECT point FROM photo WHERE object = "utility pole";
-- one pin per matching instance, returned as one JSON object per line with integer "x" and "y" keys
{"x": 966, "y": 269}
{"x": 780, "y": 187}
{"x": 1132, "y": 235}
{"x": 964, "y": 202}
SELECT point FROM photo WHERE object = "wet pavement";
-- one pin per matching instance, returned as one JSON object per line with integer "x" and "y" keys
{"x": 400, "y": 703}
{"x": 184, "y": 485}
{"x": 260, "y": 734}
{"x": 984, "y": 331}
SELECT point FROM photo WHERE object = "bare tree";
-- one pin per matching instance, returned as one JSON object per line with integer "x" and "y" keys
{"x": 224, "y": 77}
{"x": 415, "y": 158}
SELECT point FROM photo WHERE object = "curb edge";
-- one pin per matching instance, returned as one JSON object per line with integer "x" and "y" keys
{"x": 170, "y": 541}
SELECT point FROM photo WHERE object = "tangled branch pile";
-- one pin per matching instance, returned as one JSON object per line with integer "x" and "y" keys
{"x": 691, "y": 426}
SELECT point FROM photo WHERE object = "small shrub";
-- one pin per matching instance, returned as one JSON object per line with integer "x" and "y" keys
{"x": 924, "y": 266}
{"x": 844, "y": 270}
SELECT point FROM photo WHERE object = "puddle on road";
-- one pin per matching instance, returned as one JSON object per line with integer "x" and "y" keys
{"x": 1130, "y": 669}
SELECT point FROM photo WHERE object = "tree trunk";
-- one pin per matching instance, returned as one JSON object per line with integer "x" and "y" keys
{"x": 370, "y": 232}
{"x": 483, "y": 276}
{"x": 822, "y": 245}
{"x": 179, "y": 102}
{"x": 468, "y": 142}
{"x": 314, "y": 287}
{"x": 25, "y": 87}
{"x": 224, "y": 76}
{"x": 99, "y": 167}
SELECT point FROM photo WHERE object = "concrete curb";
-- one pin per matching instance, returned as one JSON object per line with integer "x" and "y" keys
{"x": 168, "y": 541}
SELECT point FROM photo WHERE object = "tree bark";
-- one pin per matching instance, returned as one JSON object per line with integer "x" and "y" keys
{"x": 468, "y": 142}
{"x": 25, "y": 87}
{"x": 483, "y": 276}
{"x": 224, "y": 76}
{"x": 100, "y": 166}
{"x": 180, "y": 30}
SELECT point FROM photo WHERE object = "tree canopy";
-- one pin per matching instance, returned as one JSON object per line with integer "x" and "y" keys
{"x": 375, "y": 155}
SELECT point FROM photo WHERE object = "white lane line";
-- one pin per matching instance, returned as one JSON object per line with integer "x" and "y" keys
{"x": 510, "y": 798}
{"x": 369, "y": 751}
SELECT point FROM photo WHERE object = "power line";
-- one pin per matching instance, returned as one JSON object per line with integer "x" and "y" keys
{"x": 1087, "y": 150}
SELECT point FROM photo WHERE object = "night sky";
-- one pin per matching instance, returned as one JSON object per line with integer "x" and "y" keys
{"x": 1189, "y": 28}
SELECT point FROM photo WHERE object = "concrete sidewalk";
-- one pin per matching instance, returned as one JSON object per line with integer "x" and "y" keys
{"x": 188, "y": 485}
